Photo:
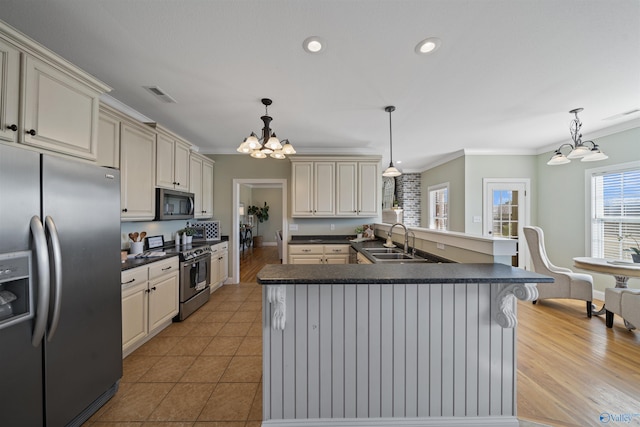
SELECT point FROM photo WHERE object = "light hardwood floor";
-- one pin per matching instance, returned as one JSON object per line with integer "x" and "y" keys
{"x": 206, "y": 371}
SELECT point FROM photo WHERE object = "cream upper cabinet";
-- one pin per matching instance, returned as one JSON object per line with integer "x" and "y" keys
{"x": 348, "y": 187}
{"x": 53, "y": 104}
{"x": 9, "y": 92}
{"x": 72, "y": 130}
{"x": 207, "y": 188}
{"x": 201, "y": 179}
{"x": 324, "y": 189}
{"x": 108, "y": 138}
{"x": 313, "y": 189}
{"x": 137, "y": 172}
{"x": 369, "y": 189}
{"x": 302, "y": 188}
{"x": 172, "y": 162}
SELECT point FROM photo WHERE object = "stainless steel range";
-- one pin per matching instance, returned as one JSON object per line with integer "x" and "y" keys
{"x": 195, "y": 264}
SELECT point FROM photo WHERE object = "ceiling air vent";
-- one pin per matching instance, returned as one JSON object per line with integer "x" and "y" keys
{"x": 621, "y": 115}
{"x": 160, "y": 94}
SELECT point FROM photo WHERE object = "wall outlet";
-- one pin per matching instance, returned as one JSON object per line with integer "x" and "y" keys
{"x": 440, "y": 246}
{"x": 477, "y": 218}
{"x": 333, "y": 227}
{"x": 293, "y": 227}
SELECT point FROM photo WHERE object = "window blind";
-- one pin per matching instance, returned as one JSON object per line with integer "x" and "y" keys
{"x": 615, "y": 213}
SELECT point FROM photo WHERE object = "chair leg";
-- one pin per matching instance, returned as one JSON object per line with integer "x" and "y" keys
{"x": 589, "y": 309}
{"x": 534, "y": 301}
{"x": 609, "y": 317}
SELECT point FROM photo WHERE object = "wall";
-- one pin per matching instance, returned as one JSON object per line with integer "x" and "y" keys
{"x": 561, "y": 201}
{"x": 237, "y": 166}
{"x": 273, "y": 197}
{"x": 408, "y": 191}
{"x": 452, "y": 172}
{"x": 479, "y": 167}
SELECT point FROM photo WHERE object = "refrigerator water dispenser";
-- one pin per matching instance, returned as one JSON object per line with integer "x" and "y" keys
{"x": 16, "y": 296}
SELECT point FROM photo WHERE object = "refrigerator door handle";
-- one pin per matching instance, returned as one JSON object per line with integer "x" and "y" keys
{"x": 57, "y": 268}
{"x": 42, "y": 263}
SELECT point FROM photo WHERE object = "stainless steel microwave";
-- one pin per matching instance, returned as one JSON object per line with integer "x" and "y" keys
{"x": 171, "y": 204}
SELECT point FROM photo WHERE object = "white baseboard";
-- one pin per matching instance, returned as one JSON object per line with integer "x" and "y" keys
{"x": 598, "y": 295}
{"x": 397, "y": 422}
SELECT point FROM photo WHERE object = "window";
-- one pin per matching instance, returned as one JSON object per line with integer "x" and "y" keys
{"x": 439, "y": 206}
{"x": 615, "y": 210}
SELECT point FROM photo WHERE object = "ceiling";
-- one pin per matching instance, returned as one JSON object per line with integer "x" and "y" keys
{"x": 503, "y": 80}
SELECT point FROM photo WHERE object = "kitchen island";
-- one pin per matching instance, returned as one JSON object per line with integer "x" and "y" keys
{"x": 390, "y": 344}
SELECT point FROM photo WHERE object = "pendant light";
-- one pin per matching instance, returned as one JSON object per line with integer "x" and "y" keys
{"x": 391, "y": 171}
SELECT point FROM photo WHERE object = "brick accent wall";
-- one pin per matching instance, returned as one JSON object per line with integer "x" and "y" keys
{"x": 408, "y": 194}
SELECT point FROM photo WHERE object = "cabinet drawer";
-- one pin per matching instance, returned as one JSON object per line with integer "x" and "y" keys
{"x": 133, "y": 277}
{"x": 306, "y": 249}
{"x": 161, "y": 268}
{"x": 336, "y": 249}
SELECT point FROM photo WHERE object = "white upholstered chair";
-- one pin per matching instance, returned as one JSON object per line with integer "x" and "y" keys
{"x": 567, "y": 283}
{"x": 625, "y": 303}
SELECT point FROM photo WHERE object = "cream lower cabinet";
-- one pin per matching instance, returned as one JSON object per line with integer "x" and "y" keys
{"x": 319, "y": 254}
{"x": 219, "y": 265}
{"x": 149, "y": 301}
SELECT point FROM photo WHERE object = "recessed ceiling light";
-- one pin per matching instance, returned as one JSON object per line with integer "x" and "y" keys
{"x": 313, "y": 44}
{"x": 428, "y": 45}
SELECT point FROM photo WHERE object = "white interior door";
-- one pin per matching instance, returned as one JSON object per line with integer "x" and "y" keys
{"x": 506, "y": 211}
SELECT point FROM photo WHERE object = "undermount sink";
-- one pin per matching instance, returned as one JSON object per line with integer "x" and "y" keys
{"x": 374, "y": 251}
{"x": 396, "y": 257}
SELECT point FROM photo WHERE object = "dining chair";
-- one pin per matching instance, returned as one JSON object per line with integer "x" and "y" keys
{"x": 567, "y": 284}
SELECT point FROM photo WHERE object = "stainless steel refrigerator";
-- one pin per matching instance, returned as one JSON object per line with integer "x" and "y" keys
{"x": 60, "y": 303}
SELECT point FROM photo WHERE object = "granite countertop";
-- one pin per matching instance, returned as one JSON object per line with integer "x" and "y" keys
{"x": 390, "y": 273}
{"x": 138, "y": 262}
{"x": 321, "y": 240}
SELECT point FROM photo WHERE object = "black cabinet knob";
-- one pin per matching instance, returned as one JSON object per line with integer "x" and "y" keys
{"x": 12, "y": 127}
{"x": 32, "y": 132}
{"x": 125, "y": 210}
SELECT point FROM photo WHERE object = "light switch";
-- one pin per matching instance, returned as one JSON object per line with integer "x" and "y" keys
{"x": 293, "y": 227}
{"x": 477, "y": 218}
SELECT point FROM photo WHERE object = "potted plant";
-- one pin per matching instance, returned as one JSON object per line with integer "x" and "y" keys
{"x": 635, "y": 250}
{"x": 262, "y": 215}
{"x": 359, "y": 230}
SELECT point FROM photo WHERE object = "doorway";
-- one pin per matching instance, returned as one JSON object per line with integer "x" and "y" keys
{"x": 506, "y": 211}
{"x": 234, "y": 236}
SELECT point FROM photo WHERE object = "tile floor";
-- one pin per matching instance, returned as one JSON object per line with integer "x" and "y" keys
{"x": 204, "y": 372}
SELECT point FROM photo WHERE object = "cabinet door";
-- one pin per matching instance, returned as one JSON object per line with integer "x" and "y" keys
{"x": 60, "y": 113}
{"x": 181, "y": 165}
{"x": 108, "y": 140}
{"x": 368, "y": 189}
{"x": 215, "y": 268}
{"x": 137, "y": 195}
{"x": 195, "y": 180}
{"x": 305, "y": 259}
{"x": 346, "y": 188}
{"x": 207, "y": 190}
{"x": 336, "y": 259}
{"x": 9, "y": 92}
{"x": 163, "y": 300}
{"x": 224, "y": 266}
{"x": 302, "y": 189}
{"x": 134, "y": 315}
{"x": 164, "y": 161}
{"x": 324, "y": 189}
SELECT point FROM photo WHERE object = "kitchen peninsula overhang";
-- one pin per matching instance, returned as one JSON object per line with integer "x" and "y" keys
{"x": 388, "y": 345}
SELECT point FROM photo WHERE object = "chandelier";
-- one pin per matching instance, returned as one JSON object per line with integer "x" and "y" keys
{"x": 391, "y": 171}
{"x": 269, "y": 144}
{"x": 579, "y": 148}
